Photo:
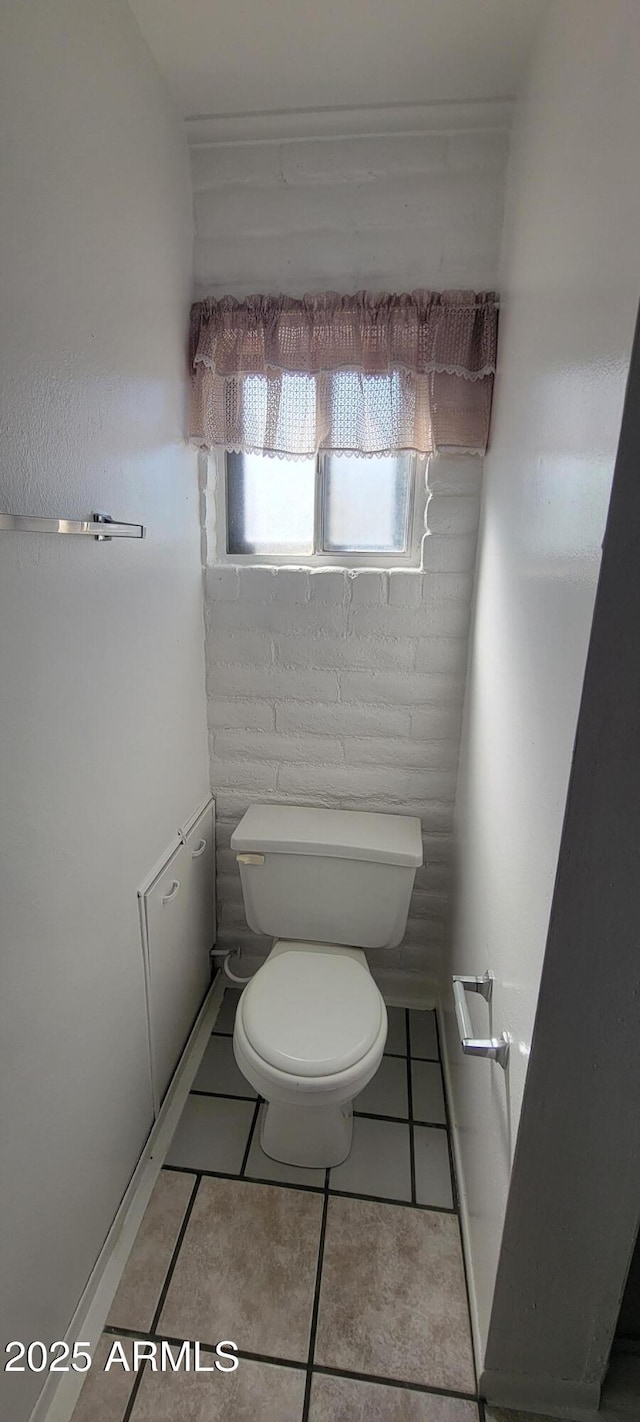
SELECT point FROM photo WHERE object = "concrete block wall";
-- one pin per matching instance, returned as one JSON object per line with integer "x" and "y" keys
{"x": 386, "y": 213}
{"x": 328, "y": 687}
{"x": 344, "y": 689}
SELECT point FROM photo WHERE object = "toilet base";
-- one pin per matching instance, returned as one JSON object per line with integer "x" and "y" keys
{"x": 313, "y": 1136}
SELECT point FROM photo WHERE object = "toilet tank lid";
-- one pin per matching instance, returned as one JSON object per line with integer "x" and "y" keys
{"x": 337, "y": 834}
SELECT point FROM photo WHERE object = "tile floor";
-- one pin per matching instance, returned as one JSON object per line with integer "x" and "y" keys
{"x": 344, "y": 1290}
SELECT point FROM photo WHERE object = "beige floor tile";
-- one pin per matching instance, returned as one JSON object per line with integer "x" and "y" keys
{"x": 247, "y": 1269}
{"x": 345, "y": 1400}
{"x": 256, "y": 1392}
{"x": 104, "y": 1396}
{"x": 141, "y": 1284}
{"x": 393, "y": 1299}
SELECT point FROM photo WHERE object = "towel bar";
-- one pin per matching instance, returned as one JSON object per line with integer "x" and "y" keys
{"x": 497, "y": 1049}
{"x": 93, "y": 527}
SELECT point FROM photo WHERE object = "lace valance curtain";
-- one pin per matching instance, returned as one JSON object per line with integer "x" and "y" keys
{"x": 365, "y": 374}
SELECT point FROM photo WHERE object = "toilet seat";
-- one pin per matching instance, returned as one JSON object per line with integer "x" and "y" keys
{"x": 309, "y": 1034}
{"x": 312, "y": 1014}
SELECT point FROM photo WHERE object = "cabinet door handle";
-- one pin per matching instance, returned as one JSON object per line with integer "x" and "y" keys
{"x": 496, "y": 1048}
{"x": 199, "y": 849}
{"x": 166, "y": 898}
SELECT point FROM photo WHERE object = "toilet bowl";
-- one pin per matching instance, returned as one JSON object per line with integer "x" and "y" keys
{"x": 311, "y": 1025}
{"x": 309, "y": 1034}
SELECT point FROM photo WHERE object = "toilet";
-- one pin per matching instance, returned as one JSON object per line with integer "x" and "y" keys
{"x": 311, "y": 1025}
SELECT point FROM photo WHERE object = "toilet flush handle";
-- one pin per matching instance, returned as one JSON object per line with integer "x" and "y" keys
{"x": 249, "y": 858}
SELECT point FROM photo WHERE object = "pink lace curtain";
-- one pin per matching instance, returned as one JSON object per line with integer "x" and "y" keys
{"x": 366, "y": 374}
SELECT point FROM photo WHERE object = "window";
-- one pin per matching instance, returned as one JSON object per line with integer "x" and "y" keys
{"x": 345, "y": 509}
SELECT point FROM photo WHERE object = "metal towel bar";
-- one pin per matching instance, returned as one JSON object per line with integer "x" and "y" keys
{"x": 93, "y": 527}
{"x": 497, "y": 1049}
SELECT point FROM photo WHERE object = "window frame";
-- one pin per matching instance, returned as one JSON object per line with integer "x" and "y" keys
{"x": 419, "y": 495}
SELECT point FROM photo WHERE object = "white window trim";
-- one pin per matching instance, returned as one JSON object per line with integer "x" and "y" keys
{"x": 411, "y": 558}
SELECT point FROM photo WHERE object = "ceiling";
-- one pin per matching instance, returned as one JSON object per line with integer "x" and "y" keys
{"x": 254, "y": 56}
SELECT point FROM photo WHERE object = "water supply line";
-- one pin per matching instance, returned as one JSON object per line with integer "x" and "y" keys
{"x": 226, "y": 954}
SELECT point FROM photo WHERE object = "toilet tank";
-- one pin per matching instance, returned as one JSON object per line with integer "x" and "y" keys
{"x": 327, "y": 876}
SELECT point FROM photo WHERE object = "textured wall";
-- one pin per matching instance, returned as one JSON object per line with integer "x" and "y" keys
{"x": 102, "y": 709}
{"x": 383, "y": 213}
{"x": 569, "y": 297}
{"x": 345, "y": 690}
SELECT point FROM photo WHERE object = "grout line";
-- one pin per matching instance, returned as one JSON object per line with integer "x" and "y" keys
{"x": 221, "y": 1095}
{"x": 174, "y": 1257}
{"x": 397, "y": 1056}
{"x": 247, "y": 1179}
{"x": 134, "y": 1393}
{"x": 175, "y": 1342}
{"x": 376, "y": 1116}
{"x": 400, "y": 1120}
{"x": 452, "y": 1169}
{"x": 366, "y": 1115}
{"x": 309, "y": 1189}
{"x": 399, "y": 1383}
{"x": 295, "y": 1363}
{"x": 249, "y": 1140}
{"x": 385, "y": 1200}
{"x": 284, "y": 1184}
{"x": 316, "y": 1301}
{"x": 412, "y": 1144}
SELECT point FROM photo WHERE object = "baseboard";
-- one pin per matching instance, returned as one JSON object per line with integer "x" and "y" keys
{"x": 476, "y": 1335}
{"x": 620, "y": 1400}
{"x": 563, "y": 1398}
{"x": 60, "y": 1392}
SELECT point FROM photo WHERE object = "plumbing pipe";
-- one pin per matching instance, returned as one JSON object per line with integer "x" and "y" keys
{"x": 229, "y": 973}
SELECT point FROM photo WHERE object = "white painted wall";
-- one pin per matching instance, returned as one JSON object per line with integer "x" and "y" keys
{"x": 345, "y": 690}
{"x": 102, "y": 716}
{"x": 231, "y": 59}
{"x": 569, "y": 294}
{"x": 382, "y": 213}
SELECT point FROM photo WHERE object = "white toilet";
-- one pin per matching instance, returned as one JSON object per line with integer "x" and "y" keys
{"x": 311, "y": 1026}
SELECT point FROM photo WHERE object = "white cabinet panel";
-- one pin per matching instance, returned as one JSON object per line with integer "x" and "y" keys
{"x": 200, "y": 842}
{"x": 179, "y": 928}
